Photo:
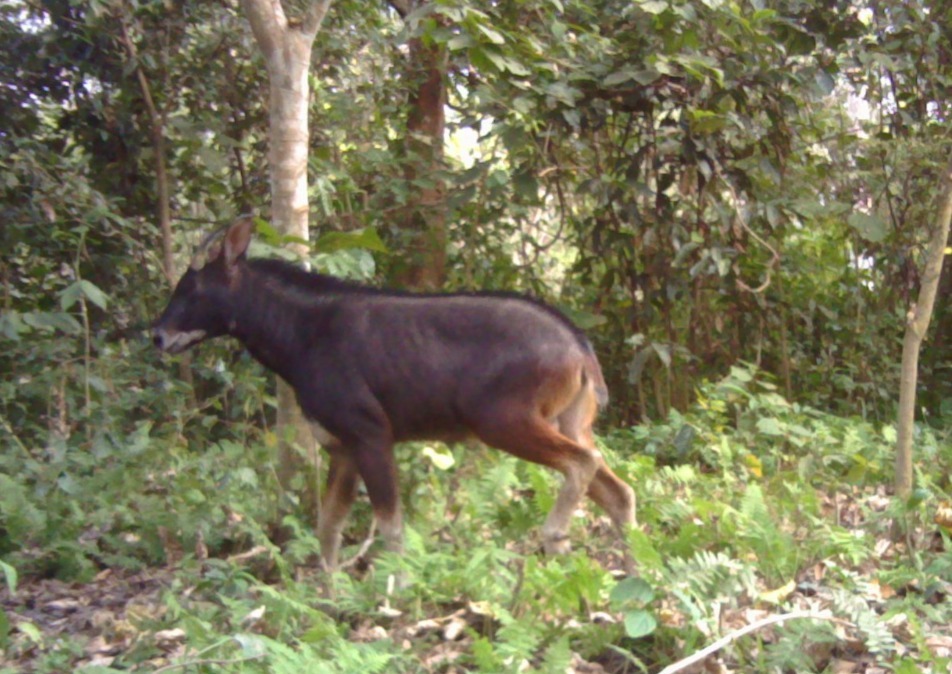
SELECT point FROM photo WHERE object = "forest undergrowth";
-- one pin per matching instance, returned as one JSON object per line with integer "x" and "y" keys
{"x": 144, "y": 531}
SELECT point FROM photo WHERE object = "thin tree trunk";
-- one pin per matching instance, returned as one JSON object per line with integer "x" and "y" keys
{"x": 286, "y": 47}
{"x": 157, "y": 134}
{"x": 917, "y": 324}
{"x": 163, "y": 205}
{"x": 424, "y": 219}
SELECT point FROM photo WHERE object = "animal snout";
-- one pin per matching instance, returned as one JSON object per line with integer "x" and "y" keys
{"x": 176, "y": 341}
{"x": 158, "y": 339}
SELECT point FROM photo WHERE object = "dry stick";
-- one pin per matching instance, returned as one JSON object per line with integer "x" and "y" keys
{"x": 247, "y": 554}
{"x": 733, "y": 636}
{"x": 198, "y": 663}
{"x": 363, "y": 546}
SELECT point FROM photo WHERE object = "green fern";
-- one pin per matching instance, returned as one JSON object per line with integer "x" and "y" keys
{"x": 790, "y": 652}
{"x": 557, "y": 658}
{"x": 711, "y": 576}
{"x": 518, "y": 641}
{"x": 876, "y": 634}
{"x": 18, "y": 514}
{"x": 544, "y": 489}
{"x": 342, "y": 657}
{"x": 492, "y": 487}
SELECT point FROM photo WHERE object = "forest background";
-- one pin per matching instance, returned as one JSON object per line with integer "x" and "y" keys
{"x": 732, "y": 199}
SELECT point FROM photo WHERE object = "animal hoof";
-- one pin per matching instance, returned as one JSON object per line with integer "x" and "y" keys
{"x": 557, "y": 545}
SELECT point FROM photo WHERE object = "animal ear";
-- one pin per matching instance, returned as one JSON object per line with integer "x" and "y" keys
{"x": 237, "y": 239}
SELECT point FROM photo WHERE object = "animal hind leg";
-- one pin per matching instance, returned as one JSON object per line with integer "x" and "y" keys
{"x": 611, "y": 493}
{"x": 528, "y": 436}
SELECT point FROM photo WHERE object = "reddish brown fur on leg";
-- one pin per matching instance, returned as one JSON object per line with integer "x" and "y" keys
{"x": 341, "y": 492}
{"x": 614, "y": 496}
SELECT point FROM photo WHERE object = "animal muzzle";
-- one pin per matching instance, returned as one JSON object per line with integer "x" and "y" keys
{"x": 172, "y": 341}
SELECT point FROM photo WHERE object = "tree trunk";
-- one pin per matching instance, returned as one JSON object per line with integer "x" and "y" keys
{"x": 917, "y": 324}
{"x": 286, "y": 46}
{"x": 424, "y": 219}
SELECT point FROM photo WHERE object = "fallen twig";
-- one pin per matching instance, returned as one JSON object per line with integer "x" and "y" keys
{"x": 363, "y": 546}
{"x": 248, "y": 554}
{"x": 733, "y": 636}
{"x": 212, "y": 661}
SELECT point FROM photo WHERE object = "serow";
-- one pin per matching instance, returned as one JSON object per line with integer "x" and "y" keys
{"x": 372, "y": 367}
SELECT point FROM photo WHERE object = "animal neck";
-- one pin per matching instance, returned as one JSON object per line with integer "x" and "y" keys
{"x": 268, "y": 319}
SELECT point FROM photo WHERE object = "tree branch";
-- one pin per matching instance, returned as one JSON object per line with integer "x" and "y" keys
{"x": 268, "y": 22}
{"x": 316, "y": 12}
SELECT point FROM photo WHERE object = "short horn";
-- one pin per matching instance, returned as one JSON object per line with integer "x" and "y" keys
{"x": 206, "y": 251}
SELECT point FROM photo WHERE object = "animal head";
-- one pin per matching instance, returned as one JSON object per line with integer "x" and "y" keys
{"x": 199, "y": 307}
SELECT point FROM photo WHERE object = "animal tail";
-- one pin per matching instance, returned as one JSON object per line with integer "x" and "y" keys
{"x": 592, "y": 372}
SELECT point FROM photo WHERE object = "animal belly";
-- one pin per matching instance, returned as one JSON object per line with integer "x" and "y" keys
{"x": 322, "y": 435}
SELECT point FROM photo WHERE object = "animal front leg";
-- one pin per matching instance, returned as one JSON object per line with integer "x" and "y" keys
{"x": 338, "y": 498}
{"x": 377, "y": 468}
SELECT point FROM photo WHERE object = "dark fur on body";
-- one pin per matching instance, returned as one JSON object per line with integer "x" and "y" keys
{"x": 372, "y": 367}
{"x": 416, "y": 351}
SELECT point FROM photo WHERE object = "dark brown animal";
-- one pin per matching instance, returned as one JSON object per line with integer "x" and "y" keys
{"x": 371, "y": 368}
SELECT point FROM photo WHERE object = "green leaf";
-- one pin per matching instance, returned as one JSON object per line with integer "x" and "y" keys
{"x": 92, "y": 293}
{"x": 583, "y": 319}
{"x": 869, "y": 225}
{"x": 10, "y": 575}
{"x": 769, "y": 426}
{"x": 4, "y": 630}
{"x": 85, "y": 289}
{"x": 653, "y": 6}
{"x": 516, "y": 68}
{"x": 824, "y": 83}
{"x": 563, "y": 93}
{"x": 741, "y": 374}
{"x": 639, "y": 623}
{"x": 366, "y": 238}
{"x": 631, "y": 590}
{"x": 494, "y": 36}
{"x": 31, "y": 631}
{"x": 459, "y": 42}
{"x": 907, "y": 666}
{"x": 917, "y": 498}
{"x": 643, "y": 76}
{"x": 705, "y": 121}
{"x": 664, "y": 353}
{"x": 441, "y": 458}
{"x": 643, "y": 550}
{"x": 619, "y": 76}
{"x": 11, "y": 325}
{"x": 252, "y": 645}
{"x": 889, "y": 434}
{"x": 505, "y": 63}
{"x": 70, "y": 295}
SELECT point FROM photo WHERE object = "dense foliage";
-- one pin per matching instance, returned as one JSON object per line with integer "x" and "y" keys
{"x": 713, "y": 183}
{"x": 731, "y": 199}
